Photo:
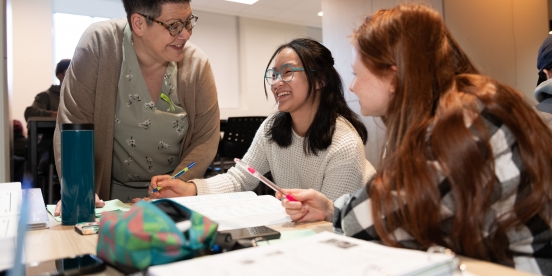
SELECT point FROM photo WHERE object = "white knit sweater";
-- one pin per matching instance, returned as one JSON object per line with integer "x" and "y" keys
{"x": 340, "y": 169}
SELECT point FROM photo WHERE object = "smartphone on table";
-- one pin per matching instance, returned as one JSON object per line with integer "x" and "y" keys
{"x": 78, "y": 265}
{"x": 252, "y": 233}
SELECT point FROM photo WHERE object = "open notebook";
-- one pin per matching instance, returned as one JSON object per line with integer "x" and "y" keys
{"x": 237, "y": 210}
{"x": 321, "y": 254}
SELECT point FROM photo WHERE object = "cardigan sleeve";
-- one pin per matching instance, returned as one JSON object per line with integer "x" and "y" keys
{"x": 88, "y": 94}
{"x": 77, "y": 96}
{"x": 204, "y": 133}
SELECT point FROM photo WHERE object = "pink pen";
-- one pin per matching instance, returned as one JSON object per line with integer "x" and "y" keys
{"x": 263, "y": 179}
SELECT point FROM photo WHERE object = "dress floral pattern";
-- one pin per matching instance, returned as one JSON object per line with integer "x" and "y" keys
{"x": 148, "y": 132}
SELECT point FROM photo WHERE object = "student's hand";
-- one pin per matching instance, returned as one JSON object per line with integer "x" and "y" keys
{"x": 99, "y": 204}
{"x": 170, "y": 187}
{"x": 311, "y": 205}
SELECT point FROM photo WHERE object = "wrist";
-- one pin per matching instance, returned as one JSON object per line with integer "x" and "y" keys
{"x": 192, "y": 188}
{"x": 329, "y": 211}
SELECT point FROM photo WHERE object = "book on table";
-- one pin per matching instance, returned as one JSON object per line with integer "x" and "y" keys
{"x": 237, "y": 210}
{"x": 325, "y": 253}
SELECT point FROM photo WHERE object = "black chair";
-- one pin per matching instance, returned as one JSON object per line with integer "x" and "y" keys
{"x": 236, "y": 140}
{"x": 40, "y": 140}
{"x": 238, "y": 136}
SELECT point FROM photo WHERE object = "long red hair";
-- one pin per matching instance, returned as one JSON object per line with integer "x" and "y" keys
{"x": 438, "y": 88}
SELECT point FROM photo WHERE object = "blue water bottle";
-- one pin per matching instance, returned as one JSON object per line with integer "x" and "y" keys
{"x": 77, "y": 173}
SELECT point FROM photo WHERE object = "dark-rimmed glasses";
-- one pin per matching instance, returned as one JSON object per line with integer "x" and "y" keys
{"x": 286, "y": 73}
{"x": 176, "y": 27}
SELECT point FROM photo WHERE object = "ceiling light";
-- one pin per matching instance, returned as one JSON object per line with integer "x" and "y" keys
{"x": 248, "y": 2}
{"x": 320, "y": 13}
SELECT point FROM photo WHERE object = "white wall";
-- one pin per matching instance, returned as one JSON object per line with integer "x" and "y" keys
{"x": 217, "y": 35}
{"x": 33, "y": 65}
{"x": 258, "y": 41}
{"x": 98, "y": 8}
{"x": 238, "y": 49}
{"x": 501, "y": 37}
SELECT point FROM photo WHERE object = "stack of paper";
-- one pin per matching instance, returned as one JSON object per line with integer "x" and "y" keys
{"x": 237, "y": 210}
{"x": 321, "y": 254}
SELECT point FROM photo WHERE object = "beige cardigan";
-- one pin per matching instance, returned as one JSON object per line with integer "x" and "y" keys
{"x": 89, "y": 91}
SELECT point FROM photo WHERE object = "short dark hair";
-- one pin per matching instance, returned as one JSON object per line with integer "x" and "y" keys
{"x": 318, "y": 63}
{"x": 147, "y": 7}
{"x": 62, "y": 66}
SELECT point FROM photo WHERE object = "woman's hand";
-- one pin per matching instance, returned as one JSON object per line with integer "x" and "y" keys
{"x": 170, "y": 187}
{"x": 310, "y": 205}
{"x": 99, "y": 204}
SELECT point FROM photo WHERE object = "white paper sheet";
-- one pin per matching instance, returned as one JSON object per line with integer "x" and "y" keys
{"x": 10, "y": 202}
{"x": 237, "y": 210}
{"x": 7, "y": 253}
{"x": 10, "y": 198}
{"x": 321, "y": 254}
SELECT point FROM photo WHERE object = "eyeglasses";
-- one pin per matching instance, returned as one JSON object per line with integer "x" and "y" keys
{"x": 286, "y": 74}
{"x": 176, "y": 27}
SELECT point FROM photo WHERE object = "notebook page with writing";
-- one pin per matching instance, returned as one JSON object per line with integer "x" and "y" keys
{"x": 321, "y": 254}
{"x": 237, "y": 210}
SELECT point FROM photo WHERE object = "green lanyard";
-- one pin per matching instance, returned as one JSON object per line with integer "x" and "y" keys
{"x": 168, "y": 100}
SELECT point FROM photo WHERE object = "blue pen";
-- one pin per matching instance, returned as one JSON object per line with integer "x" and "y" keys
{"x": 176, "y": 175}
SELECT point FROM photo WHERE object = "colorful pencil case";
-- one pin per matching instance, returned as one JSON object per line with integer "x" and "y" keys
{"x": 87, "y": 228}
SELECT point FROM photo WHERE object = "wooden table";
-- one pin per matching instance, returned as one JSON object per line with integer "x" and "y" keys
{"x": 62, "y": 241}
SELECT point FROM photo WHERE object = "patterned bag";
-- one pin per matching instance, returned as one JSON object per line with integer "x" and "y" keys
{"x": 148, "y": 235}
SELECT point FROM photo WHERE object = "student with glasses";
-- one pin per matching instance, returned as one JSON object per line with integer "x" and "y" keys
{"x": 150, "y": 93}
{"x": 314, "y": 141}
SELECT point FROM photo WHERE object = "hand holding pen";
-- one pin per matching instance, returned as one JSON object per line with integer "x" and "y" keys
{"x": 170, "y": 186}
{"x": 263, "y": 179}
{"x": 310, "y": 205}
{"x": 176, "y": 175}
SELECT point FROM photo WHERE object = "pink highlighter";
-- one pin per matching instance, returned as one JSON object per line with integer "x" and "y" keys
{"x": 263, "y": 179}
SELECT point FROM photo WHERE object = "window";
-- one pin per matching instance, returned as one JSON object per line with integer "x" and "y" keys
{"x": 68, "y": 29}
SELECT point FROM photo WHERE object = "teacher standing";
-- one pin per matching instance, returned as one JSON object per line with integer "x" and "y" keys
{"x": 150, "y": 95}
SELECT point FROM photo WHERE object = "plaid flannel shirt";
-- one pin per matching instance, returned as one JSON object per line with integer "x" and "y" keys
{"x": 529, "y": 244}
